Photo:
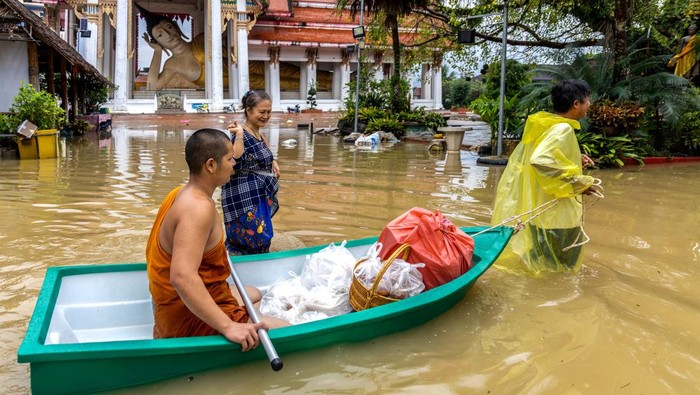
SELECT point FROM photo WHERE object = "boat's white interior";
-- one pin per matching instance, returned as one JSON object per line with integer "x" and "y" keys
{"x": 114, "y": 306}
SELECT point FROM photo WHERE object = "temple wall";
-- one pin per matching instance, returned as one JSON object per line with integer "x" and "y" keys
{"x": 14, "y": 64}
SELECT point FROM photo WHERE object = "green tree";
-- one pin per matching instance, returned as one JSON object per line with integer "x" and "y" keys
{"x": 391, "y": 11}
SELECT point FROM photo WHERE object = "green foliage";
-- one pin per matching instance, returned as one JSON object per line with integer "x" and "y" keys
{"x": 517, "y": 76}
{"x": 6, "y": 127}
{"x": 459, "y": 93}
{"x": 434, "y": 120}
{"x": 311, "y": 95}
{"x": 431, "y": 120}
{"x": 608, "y": 151}
{"x": 40, "y": 108}
{"x": 513, "y": 117}
{"x": 387, "y": 125}
{"x": 688, "y": 136}
{"x": 96, "y": 93}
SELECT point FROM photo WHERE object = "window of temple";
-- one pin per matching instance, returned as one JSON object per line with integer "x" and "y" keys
{"x": 290, "y": 80}
{"x": 324, "y": 80}
{"x": 256, "y": 69}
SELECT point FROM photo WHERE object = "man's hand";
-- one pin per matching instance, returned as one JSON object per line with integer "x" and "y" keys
{"x": 244, "y": 334}
{"x": 586, "y": 161}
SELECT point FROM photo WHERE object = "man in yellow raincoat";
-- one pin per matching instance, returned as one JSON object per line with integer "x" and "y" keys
{"x": 547, "y": 165}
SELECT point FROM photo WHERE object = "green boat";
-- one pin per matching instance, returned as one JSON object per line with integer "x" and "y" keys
{"x": 91, "y": 329}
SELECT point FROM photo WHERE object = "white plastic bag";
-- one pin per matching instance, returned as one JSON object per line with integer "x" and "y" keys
{"x": 330, "y": 267}
{"x": 369, "y": 268}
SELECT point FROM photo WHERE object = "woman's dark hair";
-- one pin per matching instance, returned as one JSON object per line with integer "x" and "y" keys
{"x": 203, "y": 145}
{"x": 566, "y": 92}
{"x": 152, "y": 20}
{"x": 252, "y": 98}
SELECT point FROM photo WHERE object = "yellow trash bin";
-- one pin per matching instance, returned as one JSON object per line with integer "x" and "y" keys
{"x": 27, "y": 148}
{"x": 47, "y": 143}
{"x": 43, "y": 144}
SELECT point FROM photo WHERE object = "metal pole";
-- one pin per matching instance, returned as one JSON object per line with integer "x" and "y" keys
{"x": 503, "y": 79}
{"x": 357, "y": 79}
{"x": 275, "y": 361}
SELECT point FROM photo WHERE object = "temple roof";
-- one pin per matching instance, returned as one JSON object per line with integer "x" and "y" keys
{"x": 313, "y": 25}
{"x": 30, "y": 27}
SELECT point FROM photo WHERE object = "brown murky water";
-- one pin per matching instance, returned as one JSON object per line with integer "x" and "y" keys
{"x": 628, "y": 323}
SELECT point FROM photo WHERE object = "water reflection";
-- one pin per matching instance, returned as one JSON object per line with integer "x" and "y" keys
{"x": 624, "y": 323}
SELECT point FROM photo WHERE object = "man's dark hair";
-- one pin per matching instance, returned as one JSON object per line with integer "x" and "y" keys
{"x": 566, "y": 92}
{"x": 203, "y": 145}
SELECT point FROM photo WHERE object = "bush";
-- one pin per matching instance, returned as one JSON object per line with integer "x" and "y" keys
{"x": 608, "y": 151}
{"x": 459, "y": 93}
{"x": 386, "y": 125}
{"x": 40, "y": 108}
{"x": 615, "y": 118}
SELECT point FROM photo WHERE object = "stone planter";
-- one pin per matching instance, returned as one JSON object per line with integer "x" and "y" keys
{"x": 454, "y": 135}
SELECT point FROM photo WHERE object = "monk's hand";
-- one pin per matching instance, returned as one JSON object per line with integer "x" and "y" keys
{"x": 586, "y": 161}
{"x": 246, "y": 335}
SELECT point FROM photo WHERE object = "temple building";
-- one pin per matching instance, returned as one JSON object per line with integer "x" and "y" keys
{"x": 177, "y": 55}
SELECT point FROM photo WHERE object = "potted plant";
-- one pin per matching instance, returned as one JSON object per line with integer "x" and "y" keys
{"x": 311, "y": 98}
{"x": 41, "y": 109}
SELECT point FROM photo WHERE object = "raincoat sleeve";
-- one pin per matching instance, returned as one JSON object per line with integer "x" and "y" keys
{"x": 557, "y": 163}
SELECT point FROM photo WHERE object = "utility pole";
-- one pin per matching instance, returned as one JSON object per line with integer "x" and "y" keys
{"x": 499, "y": 149}
{"x": 358, "y": 33}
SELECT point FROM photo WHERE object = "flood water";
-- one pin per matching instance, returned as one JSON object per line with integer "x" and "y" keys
{"x": 627, "y": 323}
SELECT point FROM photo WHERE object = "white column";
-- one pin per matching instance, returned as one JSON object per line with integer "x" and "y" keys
{"x": 303, "y": 82}
{"x": 426, "y": 80}
{"x": 437, "y": 86}
{"x": 273, "y": 69}
{"x": 344, "y": 79}
{"x": 232, "y": 69}
{"x": 88, "y": 45}
{"x": 337, "y": 88}
{"x": 217, "y": 66}
{"x": 121, "y": 63}
{"x": 243, "y": 69}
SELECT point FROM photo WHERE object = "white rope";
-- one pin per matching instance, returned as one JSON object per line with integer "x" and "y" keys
{"x": 596, "y": 190}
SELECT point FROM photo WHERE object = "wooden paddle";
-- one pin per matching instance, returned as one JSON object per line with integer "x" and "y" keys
{"x": 275, "y": 360}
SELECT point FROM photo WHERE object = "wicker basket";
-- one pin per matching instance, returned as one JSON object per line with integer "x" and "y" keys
{"x": 362, "y": 298}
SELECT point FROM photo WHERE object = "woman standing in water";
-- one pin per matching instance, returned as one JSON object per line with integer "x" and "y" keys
{"x": 249, "y": 199}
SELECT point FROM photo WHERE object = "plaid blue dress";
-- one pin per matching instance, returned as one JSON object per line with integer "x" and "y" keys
{"x": 249, "y": 199}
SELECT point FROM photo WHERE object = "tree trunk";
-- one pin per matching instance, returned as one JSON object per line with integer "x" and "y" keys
{"x": 623, "y": 8}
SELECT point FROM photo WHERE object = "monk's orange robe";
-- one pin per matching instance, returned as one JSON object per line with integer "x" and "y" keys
{"x": 172, "y": 317}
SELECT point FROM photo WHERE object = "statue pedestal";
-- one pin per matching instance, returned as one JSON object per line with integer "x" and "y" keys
{"x": 454, "y": 135}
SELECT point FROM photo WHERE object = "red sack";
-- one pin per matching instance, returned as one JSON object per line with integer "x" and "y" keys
{"x": 444, "y": 248}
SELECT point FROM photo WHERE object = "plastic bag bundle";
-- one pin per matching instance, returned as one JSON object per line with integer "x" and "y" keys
{"x": 400, "y": 281}
{"x": 321, "y": 291}
{"x": 405, "y": 278}
{"x": 368, "y": 270}
{"x": 330, "y": 267}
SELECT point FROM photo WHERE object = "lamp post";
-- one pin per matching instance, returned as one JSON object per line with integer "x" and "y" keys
{"x": 359, "y": 34}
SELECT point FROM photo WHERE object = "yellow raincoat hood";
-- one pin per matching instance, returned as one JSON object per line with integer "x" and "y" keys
{"x": 546, "y": 165}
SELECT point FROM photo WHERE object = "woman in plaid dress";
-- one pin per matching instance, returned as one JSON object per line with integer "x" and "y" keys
{"x": 249, "y": 199}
